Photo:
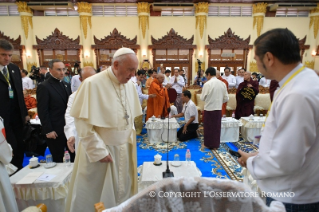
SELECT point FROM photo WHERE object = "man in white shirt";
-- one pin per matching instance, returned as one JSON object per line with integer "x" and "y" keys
{"x": 75, "y": 82}
{"x": 265, "y": 82}
{"x": 182, "y": 74}
{"x": 69, "y": 128}
{"x": 167, "y": 78}
{"x": 138, "y": 121}
{"x": 177, "y": 82}
{"x": 27, "y": 83}
{"x": 240, "y": 77}
{"x": 230, "y": 78}
{"x": 287, "y": 161}
{"x": 188, "y": 131}
{"x": 214, "y": 94}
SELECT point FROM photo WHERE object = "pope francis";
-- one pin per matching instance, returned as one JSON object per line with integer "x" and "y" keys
{"x": 105, "y": 168}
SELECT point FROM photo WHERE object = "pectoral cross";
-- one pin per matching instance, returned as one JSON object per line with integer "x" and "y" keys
{"x": 126, "y": 116}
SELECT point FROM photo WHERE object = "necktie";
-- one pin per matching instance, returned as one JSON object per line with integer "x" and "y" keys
{"x": 5, "y": 71}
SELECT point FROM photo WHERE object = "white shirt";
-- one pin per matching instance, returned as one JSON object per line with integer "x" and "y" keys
{"x": 27, "y": 83}
{"x": 173, "y": 111}
{"x": 69, "y": 128}
{"x": 239, "y": 80}
{"x": 141, "y": 96}
{"x": 288, "y": 152}
{"x": 265, "y": 82}
{"x": 166, "y": 80}
{"x": 75, "y": 83}
{"x": 190, "y": 110}
{"x": 214, "y": 94}
{"x": 134, "y": 79}
{"x": 231, "y": 80}
{"x": 179, "y": 85}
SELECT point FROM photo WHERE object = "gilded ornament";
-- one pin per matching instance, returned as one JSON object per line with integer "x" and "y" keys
{"x": 84, "y": 20}
{"x": 143, "y": 18}
{"x": 84, "y": 7}
{"x": 260, "y": 8}
{"x": 29, "y": 65}
{"x": 314, "y": 20}
{"x": 202, "y": 66}
{"x": 201, "y": 18}
{"x": 316, "y": 10}
{"x": 85, "y": 11}
{"x": 259, "y": 20}
{"x": 87, "y": 64}
{"x": 25, "y": 19}
{"x": 201, "y": 7}
{"x": 23, "y": 7}
{"x": 310, "y": 64}
{"x": 253, "y": 67}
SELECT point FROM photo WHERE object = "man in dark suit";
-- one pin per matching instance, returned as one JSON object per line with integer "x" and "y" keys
{"x": 45, "y": 74}
{"x": 12, "y": 106}
{"x": 52, "y": 97}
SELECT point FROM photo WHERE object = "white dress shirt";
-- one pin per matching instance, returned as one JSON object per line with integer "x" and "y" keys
{"x": 134, "y": 79}
{"x": 69, "y": 128}
{"x": 141, "y": 96}
{"x": 190, "y": 110}
{"x": 27, "y": 83}
{"x": 75, "y": 83}
{"x": 231, "y": 80}
{"x": 265, "y": 82}
{"x": 214, "y": 94}
{"x": 173, "y": 111}
{"x": 166, "y": 80}
{"x": 288, "y": 152}
{"x": 239, "y": 80}
{"x": 179, "y": 85}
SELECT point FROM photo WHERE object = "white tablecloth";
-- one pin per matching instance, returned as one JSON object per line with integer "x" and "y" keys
{"x": 251, "y": 128}
{"x": 149, "y": 173}
{"x": 53, "y": 193}
{"x": 230, "y": 130}
{"x": 35, "y": 121}
{"x": 157, "y": 130}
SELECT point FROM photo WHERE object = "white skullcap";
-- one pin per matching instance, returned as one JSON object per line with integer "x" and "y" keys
{"x": 123, "y": 51}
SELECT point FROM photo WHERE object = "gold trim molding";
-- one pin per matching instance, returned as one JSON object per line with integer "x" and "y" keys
{"x": 29, "y": 65}
{"x": 314, "y": 20}
{"x": 88, "y": 64}
{"x": 253, "y": 67}
{"x": 201, "y": 11}
{"x": 143, "y": 8}
{"x": 26, "y": 18}
{"x": 259, "y": 10}
{"x": 310, "y": 64}
{"x": 85, "y": 12}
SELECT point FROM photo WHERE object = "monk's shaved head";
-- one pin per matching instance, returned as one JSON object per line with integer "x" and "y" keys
{"x": 160, "y": 77}
{"x": 217, "y": 74}
{"x": 87, "y": 72}
{"x": 247, "y": 75}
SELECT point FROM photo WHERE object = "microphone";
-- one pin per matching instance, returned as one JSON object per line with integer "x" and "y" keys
{"x": 167, "y": 173}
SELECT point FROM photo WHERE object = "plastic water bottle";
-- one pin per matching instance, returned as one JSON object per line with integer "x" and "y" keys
{"x": 233, "y": 115}
{"x": 67, "y": 158}
{"x": 188, "y": 157}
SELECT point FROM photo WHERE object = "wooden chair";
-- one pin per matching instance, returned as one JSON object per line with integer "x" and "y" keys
{"x": 263, "y": 90}
{"x": 231, "y": 104}
{"x": 262, "y": 103}
{"x": 232, "y": 90}
{"x": 200, "y": 105}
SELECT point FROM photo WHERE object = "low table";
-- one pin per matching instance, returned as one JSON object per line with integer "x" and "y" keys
{"x": 229, "y": 130}
{"x": 53, "y": 193}
{"x": 157, "y": 130}
{"x": 149, "y": 173}
{"x": 251, "y": 128}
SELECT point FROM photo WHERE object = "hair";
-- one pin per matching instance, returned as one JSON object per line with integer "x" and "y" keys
{"x": 25, "y": 72}
{"x": 51, "y": 63}
{"x": 242, "y": 69}
{"x": 254, "y": 73}
{"x": 227, "y": 68}
{"x": 150, "y": 71}
{"x": 282, "y": 43}
{"x": 167, "y": 71}
{"x": 176, "y": 69}
{"x": 187, "y": 93}
{"x": 43, "y": 67}
{"x": 5, "y": 45}
{"x": 211, "y": 71}
{"x": 181, "y": 70}
{"x": 140, "y": 72}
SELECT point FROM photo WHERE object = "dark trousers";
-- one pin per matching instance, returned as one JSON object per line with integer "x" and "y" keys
{"x": 190, "y": 134}
{"x": 15, "y": 139}
{"x": 312, "y": 207}
{"x": 57, "y": 147}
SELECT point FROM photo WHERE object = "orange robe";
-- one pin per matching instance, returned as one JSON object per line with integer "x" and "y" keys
{"x": 149, "y": 82}
{"x": 225, "y": 104}
{"x": 30, "y": 102}
{"x": 157, "y": 106}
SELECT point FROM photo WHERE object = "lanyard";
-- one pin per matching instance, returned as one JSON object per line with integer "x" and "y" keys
{"x": 7, "y": 77}
{"x": 288, "y": 80}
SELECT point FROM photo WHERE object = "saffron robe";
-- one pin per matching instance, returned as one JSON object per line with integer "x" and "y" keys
{"x": 224, "y": 104}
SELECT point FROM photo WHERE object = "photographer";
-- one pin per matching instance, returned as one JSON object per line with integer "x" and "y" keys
{"x": 200, "y": 79}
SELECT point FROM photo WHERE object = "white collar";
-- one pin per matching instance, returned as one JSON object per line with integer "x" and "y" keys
{"x": 289, "y": 74}
{"x": 1, "y": 67}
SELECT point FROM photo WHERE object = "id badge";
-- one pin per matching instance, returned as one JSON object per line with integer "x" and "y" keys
{"x": 10, "y": 93}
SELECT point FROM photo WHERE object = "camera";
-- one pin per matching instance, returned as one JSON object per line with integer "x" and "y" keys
{"x": 35, "y": 73}
{"x": 199, "y": 67}
{"x": 77, "y": 64}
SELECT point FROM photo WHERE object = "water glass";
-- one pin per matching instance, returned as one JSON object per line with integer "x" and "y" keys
{"x": 48, "y": 159}
{"x": 261, "y": 116}
{"x": 176, "y": 157}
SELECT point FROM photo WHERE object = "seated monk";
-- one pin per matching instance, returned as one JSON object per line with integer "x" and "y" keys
{"x": 158, "y": 106}
{"x": 30, "y": 102}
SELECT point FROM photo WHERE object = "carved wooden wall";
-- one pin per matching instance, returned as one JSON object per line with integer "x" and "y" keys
{"x": 232, "y": 42}
{"x": 18, "y": 49}
{"x": 302, "y": 46}
{"x": 62, "y": 47}
{"x": 111, "y": 42}
{"x": 173, "y": 41}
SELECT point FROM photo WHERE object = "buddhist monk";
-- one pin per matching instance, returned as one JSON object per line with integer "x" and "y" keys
{"x": 159, "y": 105}
{"x": 226, "y": 83}
{"x": 30, "y": 102}
{"x": 272, "y": 88}
{"x": 245, "y": 106}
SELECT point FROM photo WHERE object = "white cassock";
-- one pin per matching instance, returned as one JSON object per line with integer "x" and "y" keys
{"x": 103, "y": 130}
{"x": 7, "y": 199}
{"x": 69, "y": 128}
